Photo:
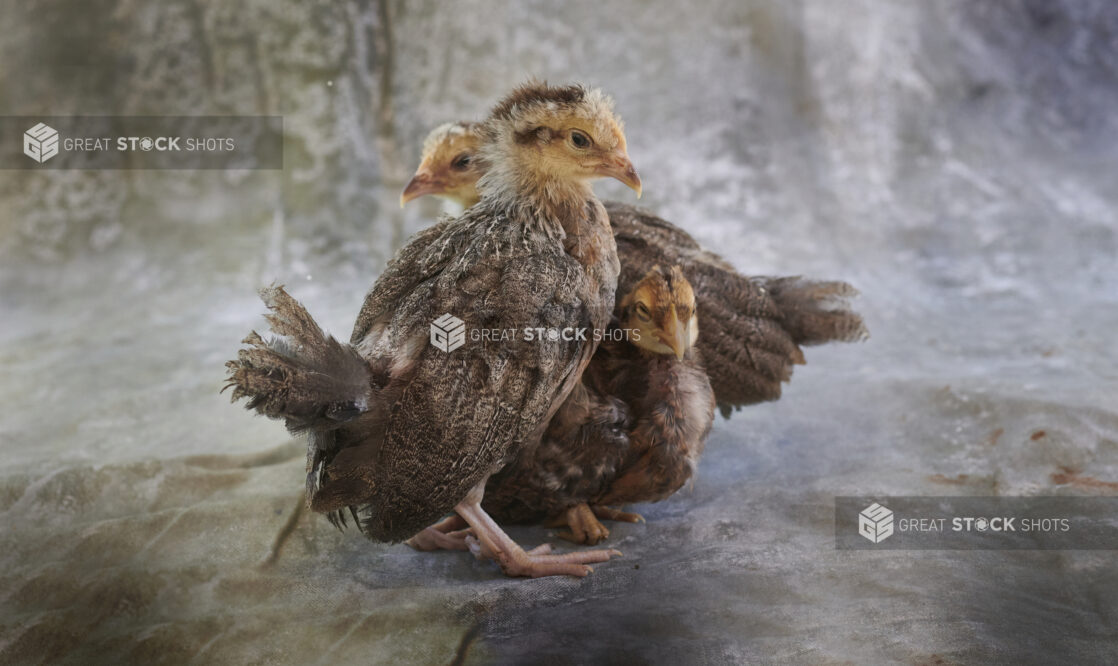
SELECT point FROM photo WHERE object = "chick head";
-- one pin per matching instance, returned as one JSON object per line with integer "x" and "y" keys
{"x": 660, "y": 311}
{"x": 540, "y": 137}
{"x": 448, "y": 167}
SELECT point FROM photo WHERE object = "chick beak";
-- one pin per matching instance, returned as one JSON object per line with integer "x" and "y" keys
{"x": 617, "y": 165}
{"x": 424, "y": 182}
{"x": 674, "y": 335}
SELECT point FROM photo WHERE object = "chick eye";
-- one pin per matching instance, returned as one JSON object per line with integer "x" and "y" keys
{"x": 579, "y": 140}
{"x": 461, "y": 163}
{"x": 642, "y": 312}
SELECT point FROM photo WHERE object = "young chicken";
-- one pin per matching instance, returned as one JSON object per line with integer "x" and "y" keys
{"x": 447, "y": 168}
{"x": 753, "y": 327}
{"x": 402, "y": 432}
{"x": 646, "y": 447}
{"x": 752, "y": 330}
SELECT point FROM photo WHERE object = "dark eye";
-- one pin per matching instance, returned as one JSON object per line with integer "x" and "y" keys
{"x": 461, "y": 163}
{"x": 579, "y": 140}
{"x": 642, "y": 312}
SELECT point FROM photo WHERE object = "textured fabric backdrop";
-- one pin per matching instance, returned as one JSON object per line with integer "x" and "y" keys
{"x": 955, "y": 160}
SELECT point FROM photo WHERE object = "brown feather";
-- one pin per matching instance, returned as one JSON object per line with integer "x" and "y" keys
{"x": 751, "y": 328}
{"x": 631, "y": 432}
{"x": 442, "y": 422}
{"x": 536, "y": 93}
{"x": 306, "y": 377}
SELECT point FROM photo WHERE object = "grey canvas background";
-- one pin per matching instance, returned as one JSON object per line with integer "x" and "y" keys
{"x": 955, "y": 160}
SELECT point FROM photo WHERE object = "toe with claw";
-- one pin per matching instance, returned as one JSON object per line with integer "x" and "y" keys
{"x": 450, "y": 533}
{"x": 489, "y": 541}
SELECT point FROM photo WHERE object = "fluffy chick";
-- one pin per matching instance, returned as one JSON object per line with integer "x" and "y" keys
{"x": 631, "y": 432}
{"x": 423, "y": 429}
{"x": 448, "y": 167}
{"x": 753, "y": 327}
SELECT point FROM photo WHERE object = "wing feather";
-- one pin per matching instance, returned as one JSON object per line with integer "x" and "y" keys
{"x": 750, "y": 328}
{"x": 462, "y": 413}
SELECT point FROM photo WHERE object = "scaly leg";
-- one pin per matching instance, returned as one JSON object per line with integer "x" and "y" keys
{"x": 447, "y": 534}
{"x": 453, "y": 533}
{"x": 491, "y": 541}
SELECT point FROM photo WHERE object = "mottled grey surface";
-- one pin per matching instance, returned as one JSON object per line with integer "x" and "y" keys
{"x": 955, "y": 160}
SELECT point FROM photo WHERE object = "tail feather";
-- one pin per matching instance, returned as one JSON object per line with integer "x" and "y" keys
{"x": 816, "y": 312}
{"x": 306, "y": 377}
{"x": 751, "y": 330}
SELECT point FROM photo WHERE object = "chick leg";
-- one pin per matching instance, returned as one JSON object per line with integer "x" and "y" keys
{"x": 447, "y": 534}
{"x": 453, "y": 533}
{"x": 491, "y": 541}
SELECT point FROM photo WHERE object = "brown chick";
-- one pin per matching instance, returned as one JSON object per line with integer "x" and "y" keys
{"x": 752, "y": 331}
{"x": 632, "y": 432}
{"x": 447, "y": 168}
{"x": 409, "y": 431}
{"x": 753, "y": 327}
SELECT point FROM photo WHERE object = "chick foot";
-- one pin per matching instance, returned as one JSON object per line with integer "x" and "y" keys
{"x": 490, "y": 541}
{"x": 584, "y": 527}
{"x": 584, "y": 523}
{"x": 448, "y": 534}
{"x": 607, "y": 513}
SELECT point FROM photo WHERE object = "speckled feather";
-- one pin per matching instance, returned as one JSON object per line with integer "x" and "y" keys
{"x": 584, "y": 446}
{"x": 465, "y": 412}
{"x": 632, "y": 431}
{"x": 530, "y": 255}
{"x": 751, "y": 327}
